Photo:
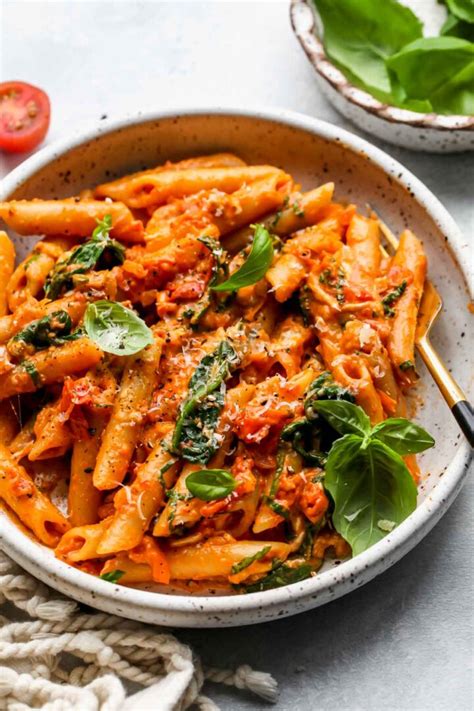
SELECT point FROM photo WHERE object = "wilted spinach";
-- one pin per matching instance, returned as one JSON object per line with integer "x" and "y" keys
{"x": 280, "y": 575}
{"x": 52, "y": 330}
{"x": 194, "y": 436}
{"x": 219, "y": 271}
{"x": 100, "y": 251}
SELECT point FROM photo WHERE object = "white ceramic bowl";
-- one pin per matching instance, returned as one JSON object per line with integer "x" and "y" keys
{"x": 313, "y": 151}
{"x": 433, "y": 133}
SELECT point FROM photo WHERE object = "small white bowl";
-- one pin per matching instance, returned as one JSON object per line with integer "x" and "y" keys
{"x": 433, "y": 133}
{"x": 314, "y": 152}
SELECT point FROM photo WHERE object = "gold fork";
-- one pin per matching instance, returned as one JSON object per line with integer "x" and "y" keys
{"x": 430, "y": 306}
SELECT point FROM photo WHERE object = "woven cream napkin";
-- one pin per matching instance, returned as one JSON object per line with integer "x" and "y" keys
{"x": 35, "y": 657}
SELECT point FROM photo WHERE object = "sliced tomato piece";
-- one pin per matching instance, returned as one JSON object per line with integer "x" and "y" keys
{"x": 24, "y": 116}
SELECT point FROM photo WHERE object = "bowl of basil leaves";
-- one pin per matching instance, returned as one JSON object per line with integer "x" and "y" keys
{"x": 406, "y": 81}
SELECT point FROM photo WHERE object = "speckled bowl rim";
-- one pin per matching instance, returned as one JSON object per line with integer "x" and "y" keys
{"x": 333, "y": 582}
{"x": 303, "y": 22}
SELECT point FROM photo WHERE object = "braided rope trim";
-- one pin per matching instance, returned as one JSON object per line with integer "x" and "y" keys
{"x": 34, "y": 672}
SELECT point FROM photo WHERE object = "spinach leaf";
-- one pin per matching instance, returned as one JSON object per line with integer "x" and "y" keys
{"x": 219, "y": 270}
{"x": 255, "y": 266}
{"x": 99, "y": 251}
{"x": 437, "y": 69}
{"x": 304, "y": 437}
{"x": 220, "y": 267}
{"x": 369, "y": 482}
{"x": 324, "y": 388}
{"x": 403, "y": 436}
{"x": 210, "y": 484}
{"x": 359, "y": 36}
{"x": 368, "y": 485}
{"x": 344, "y": 417}
{"x": 282, "y": 574}
{"x": 32, "y": 371}
{"x": 193, "y": 436}
{"x": 245, "y": 562}
{"x": 114, "y": 576}
{"x": 116, "y": 329}
{"x": 198, "y": 436}
{"x": 310, "y": 436}
{"x": 52, "y": 330}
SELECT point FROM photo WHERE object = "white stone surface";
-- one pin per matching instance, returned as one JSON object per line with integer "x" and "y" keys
{"x": 405, "y": 641}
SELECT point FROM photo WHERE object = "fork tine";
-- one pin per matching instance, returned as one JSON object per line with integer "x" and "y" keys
{"x": 385, "y": 229}
{"x": 430, "y": 307}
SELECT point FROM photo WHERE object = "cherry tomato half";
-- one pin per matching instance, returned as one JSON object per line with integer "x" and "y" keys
{"x": 24, "y": 116}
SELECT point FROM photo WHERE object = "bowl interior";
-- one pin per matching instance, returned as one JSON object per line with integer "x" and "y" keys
{"x": 312, "y": 159}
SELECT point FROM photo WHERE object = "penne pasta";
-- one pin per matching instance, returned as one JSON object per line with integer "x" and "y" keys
{"x": 401, "y": 344}
{"x": 32, "y": 507}
{"x": 7, "y": 263}
{"x": 123, "y": 429}
{"x": 191, "y": 359}
{"x": 155, "y": 188}
{"x": 29, "y": 277}
{"x": 49, "y": 366}
{"x": 69, "y": 217}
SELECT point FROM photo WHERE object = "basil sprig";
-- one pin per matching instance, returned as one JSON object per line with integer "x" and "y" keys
{"x": 210, "y": 484}
{"x": 369, "y": 482}
{"x": 255, "y": 266}
{"x": 99, "y": 251}
{"x": 116, "y": 329}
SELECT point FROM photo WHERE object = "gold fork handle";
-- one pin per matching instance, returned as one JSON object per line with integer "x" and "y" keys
{"x": 450, "y": 390}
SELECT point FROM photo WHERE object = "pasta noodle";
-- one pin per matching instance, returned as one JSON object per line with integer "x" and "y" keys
{"x": 7, "y": 262}
{"x": 159, "y": 347}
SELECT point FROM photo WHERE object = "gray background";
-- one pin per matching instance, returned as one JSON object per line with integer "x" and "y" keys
{"x": 404, "y": 642}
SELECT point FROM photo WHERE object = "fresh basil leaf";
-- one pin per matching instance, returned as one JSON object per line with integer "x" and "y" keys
{"x": 246, "y": 562}
{"x": 100, "y": 251}
{"x": 210, "y": 374}
{"x": 281, "y": 575}
{"x": 454, "y": 27}
{"x": 438, "y": 69}
{"x": 255, "y": 266}
{"x": 114, "y": 576}
{"x": 116, "y": 329}
{"x": 52, "y": 330}
{"x": 457, "y": 95}
{"x": 359, "y": 36}
{"x": 403, "y": 436}
{"x": 344, "y": 417}
{"x": 368, "y": 485}
{"x": 464, "y": 9}
{"x": 210, "y": 484}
